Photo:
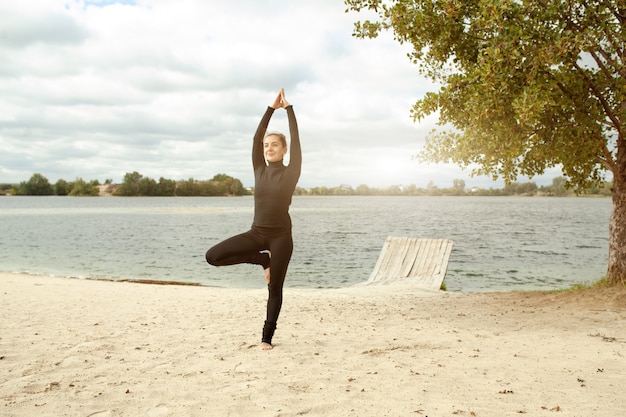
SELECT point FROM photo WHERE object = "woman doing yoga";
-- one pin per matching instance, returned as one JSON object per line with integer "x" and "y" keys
{"x": 268, "y": 242}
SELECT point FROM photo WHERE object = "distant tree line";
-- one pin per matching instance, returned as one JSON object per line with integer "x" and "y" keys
{"x": 39, "y": 185}
{"x": 458, "y": 188}
{"x": 135, "y": 184}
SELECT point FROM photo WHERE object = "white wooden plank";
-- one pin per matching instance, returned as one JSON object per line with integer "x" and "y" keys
{"x": 422, "y": 262}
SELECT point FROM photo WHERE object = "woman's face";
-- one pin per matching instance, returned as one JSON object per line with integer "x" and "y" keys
{"x": 273, "y": 148}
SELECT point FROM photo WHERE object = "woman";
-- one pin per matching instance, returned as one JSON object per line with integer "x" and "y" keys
{"x": 268, "y": 242}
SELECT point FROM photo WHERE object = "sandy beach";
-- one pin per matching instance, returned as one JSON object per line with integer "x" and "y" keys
{"x": 72, "y": 347}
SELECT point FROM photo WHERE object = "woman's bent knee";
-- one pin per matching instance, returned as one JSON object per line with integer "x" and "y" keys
{"x": 210, "y": 257}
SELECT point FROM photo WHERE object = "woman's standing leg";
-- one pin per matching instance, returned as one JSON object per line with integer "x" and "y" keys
{"x": 281, "y": 248}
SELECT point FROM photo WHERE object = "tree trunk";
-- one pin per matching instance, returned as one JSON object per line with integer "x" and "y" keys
{"x": 616, "y": 274}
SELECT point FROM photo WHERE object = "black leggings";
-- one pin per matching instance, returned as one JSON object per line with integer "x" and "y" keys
{"x": 247, "y": 248}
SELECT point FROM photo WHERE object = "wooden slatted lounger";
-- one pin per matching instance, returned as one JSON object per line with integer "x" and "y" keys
{"x": 418, "y": 262}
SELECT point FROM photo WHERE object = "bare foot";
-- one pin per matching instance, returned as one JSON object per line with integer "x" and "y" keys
{"x": 266, "y": 346}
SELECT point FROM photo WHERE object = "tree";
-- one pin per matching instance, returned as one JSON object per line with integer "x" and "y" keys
{"x": 166, "y": 187}
{"x": 363, "y": 189}
{"x": 514, "y": 188}
{"x": 81, "y": 188}
{"x": 558, "y": 186}
{"x": 524, "y": 85}
{"x": 130, "y": 185}
{"x": 458, "y": 187}
{"x": 36, "y": 185}
{"x": 62, "y": 187}
{"x": 147, "y": 187}
{"x": 186, "y": 188}
{"x": 228, "y": 185}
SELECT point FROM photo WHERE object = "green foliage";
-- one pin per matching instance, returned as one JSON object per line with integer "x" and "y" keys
{"x": 514, "y": 188}
{"x": 223, "y": 185}
{"x": 81, "y": 188}
{"x": 458, "y": 186}
{"x": 558, "y": 186}
{"x": 130, "y": 186}
{"x": 166, "y": 187}
{"x": 525, "y": 85}
{"x": 457, "y": 189}
{"x": 62, "y": 187}
{"x": 7, "y": 189}
{"x": 228, "y": 185}
{"x": 601, "y": 283}
{"x": 135, "y": 184}
{"x": 36, "y": 185}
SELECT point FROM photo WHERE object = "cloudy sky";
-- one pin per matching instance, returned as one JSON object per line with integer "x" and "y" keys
{"x": 175, "y": 89}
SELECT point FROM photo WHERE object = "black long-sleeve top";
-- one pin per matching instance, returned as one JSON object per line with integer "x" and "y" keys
{"x": 274, "y": 183}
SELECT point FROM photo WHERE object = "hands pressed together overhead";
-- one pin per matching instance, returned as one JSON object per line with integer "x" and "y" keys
{"x": 280, "y": 101}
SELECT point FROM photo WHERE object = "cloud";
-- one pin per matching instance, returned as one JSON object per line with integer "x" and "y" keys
{"x": 175, "y": 89}
{"x": 23, "y": 30}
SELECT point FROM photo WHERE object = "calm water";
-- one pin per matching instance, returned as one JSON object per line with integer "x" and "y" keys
{"x": 500, "y": 243}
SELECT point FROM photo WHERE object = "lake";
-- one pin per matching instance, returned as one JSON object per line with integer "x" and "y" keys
{"x": 500, "y": 243}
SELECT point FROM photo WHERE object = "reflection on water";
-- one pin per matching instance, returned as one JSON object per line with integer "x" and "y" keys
{"x": 500, "y": 243}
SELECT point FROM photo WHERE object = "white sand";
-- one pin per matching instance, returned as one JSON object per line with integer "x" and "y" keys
{"x": 73, "y": 347}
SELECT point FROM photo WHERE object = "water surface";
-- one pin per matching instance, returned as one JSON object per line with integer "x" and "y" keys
{"x": 500, "y": 243}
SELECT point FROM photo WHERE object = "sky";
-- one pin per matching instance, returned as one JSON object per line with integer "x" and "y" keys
{"x": 94, "y": 89}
